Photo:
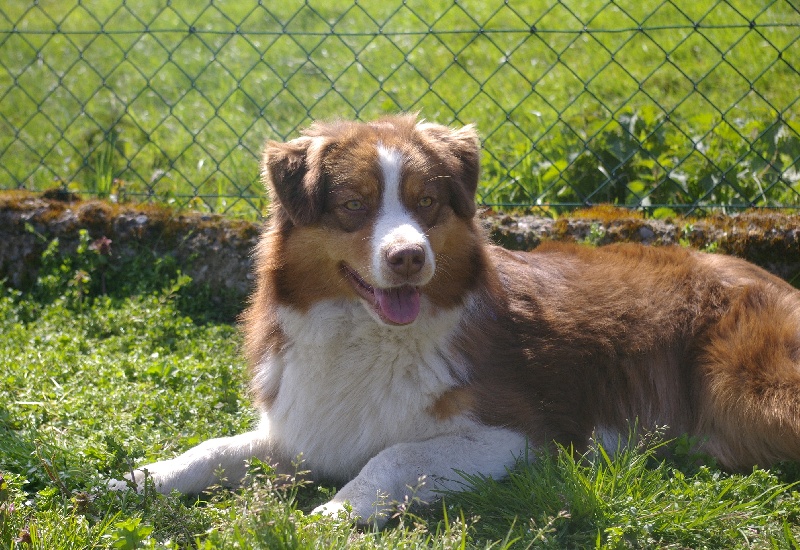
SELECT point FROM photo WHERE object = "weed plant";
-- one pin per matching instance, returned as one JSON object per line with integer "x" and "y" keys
{"x": 93, "y": 383}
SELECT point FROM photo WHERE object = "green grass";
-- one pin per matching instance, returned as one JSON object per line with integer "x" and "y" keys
{"x": 173, "y": 103}
{"x": 92, "y": 383}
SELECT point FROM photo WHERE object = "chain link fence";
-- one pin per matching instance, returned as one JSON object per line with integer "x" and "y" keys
{"x": 667, "y": 106}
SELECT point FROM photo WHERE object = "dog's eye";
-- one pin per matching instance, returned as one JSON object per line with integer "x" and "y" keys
{"x": 354, "y": 205}
{"x": 425, "y": 202}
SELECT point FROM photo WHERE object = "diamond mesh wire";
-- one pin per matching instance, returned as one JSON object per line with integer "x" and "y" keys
{"x": 690, "y": 105}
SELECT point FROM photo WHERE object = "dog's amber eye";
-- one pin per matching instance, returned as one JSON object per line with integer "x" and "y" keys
{"x": 425, "y": 202}
{"x": 354, "y": 205}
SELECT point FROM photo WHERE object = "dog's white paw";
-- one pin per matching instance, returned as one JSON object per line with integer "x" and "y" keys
{"x": 332, "y": 509}
{"x": 135, "y": 483}
{"x": 159, "y": 472}
{"x": 365, "y": 514}
{"x": 121, "y": 484}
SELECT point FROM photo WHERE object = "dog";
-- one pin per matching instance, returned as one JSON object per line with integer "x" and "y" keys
{"x": 391, "y": 346}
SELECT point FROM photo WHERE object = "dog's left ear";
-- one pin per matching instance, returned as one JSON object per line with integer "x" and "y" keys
{"x": 463, "y": 148}
{"x": 293, "y": 174}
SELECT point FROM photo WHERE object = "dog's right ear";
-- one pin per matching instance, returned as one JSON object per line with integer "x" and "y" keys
{"x": 293, "y": 174}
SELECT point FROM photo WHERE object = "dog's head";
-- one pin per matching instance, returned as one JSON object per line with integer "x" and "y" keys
{"x": 369, "y": 210}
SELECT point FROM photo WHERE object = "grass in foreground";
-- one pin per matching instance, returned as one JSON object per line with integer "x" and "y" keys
{"x": 89, "y": 387}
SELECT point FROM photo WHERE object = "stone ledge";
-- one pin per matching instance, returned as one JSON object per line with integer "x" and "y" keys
{"x": 212, "y": 249}
{"x": 216, "y": 251}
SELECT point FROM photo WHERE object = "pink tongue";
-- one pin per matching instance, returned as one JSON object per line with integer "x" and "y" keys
{"x": 398, "y": 305}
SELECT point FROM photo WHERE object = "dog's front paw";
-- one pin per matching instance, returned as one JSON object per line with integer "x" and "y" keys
{"x": 333, "y": 509}
{"x": 159, "y": 472}
{"x": 124, "y": 484}
{"x": 363, "y": 514}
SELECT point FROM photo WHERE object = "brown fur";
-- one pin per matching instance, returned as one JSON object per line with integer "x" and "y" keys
{"x": 663, "y": 337}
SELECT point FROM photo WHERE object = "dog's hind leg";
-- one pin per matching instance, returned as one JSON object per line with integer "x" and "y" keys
{"x": 222, "y": 460}
{"x": 749, "y": 398}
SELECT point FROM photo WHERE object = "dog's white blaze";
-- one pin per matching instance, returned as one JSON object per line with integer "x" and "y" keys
{"x": 395, "y": 224}
{"x": 391, "y": 163}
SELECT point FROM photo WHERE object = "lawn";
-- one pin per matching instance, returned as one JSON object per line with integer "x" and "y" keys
{"x": 640, "y": 103}
{"x": 92, "y": 384}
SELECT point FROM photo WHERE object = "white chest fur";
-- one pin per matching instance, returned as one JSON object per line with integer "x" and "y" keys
{"x": 350, "y": 386}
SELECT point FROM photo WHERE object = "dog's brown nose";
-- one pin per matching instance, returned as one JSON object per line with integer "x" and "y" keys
{"x": 406, "y": 260}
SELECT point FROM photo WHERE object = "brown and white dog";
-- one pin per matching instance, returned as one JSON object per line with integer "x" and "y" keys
{"x": 389, "y": 341}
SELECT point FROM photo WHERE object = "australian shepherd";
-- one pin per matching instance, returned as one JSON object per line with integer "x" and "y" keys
{"x": 390, "y": 344}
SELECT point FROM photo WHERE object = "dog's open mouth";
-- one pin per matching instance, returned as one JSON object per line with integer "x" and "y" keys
{"x": 395, "y": 306}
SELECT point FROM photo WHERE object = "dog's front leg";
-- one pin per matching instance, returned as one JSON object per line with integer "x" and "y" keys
{"x": 221, "y": 460}
{"x": 421, "y": 469}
